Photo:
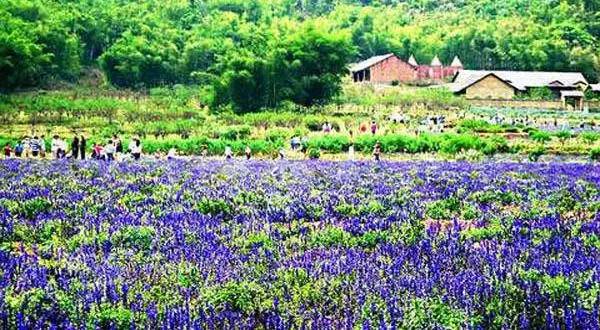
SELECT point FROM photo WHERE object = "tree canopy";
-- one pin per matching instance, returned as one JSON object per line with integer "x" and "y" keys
{"x": 259, "y": 53}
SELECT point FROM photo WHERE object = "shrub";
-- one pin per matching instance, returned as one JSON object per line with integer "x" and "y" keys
{"x": 494, "y": 145}
{"x": 313, "y": 123}
{"x": 444, "y": 208}
{"x": 536, "y": 153}
{"x": 595, "y": 154}
{"x": 563, "y": 136}
{"x": 245, "y": 297}
{"x": 314, "y": 153}
{"x": 330, "y": 143}
{"x": 278, "y": 135}
{"x": 482, "y": 126}
{"x": 32, "y": 207}
{"x": 213, "y": 206}
{"x": 540, "y": 136}
{"x": 453, "y": 144}
{"x": 234, "y": 133}
{"x": 590, "y": 137}
{"x": 135, "y": 237}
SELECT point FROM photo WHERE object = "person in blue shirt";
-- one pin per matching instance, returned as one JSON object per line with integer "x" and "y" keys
{"x": 35, "y": 146}
{"x": 19, "y": 149}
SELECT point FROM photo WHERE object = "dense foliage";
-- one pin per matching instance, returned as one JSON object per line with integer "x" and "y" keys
{"x": 258, "y": 53}
{"x": 214, "y": 245}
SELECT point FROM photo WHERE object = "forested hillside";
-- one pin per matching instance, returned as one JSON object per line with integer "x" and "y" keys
{"x": 260, "y": 53}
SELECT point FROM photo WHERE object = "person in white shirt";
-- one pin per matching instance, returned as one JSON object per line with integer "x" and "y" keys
{"x": 110, "y": 149}
{"x": 132, "y": 144}
{"x": 136, "y": 150}
{"x": 228, "y": 152}
{"x": 63, "y": 148}
{"x": 55, "y": 147}
{"x": 172, "y": 154}
{"x": 27, "y": 147}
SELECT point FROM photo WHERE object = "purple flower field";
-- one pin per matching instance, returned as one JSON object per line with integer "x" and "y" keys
{"x": 300, "y": 245}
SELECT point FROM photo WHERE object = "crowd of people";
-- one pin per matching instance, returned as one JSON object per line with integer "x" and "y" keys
{"x": 36, "y": 147}
{"x": 113, "y": 149}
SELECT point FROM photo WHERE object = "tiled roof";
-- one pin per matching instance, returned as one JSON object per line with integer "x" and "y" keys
{"x": 520, "y": 80}
{"x": 370, "y": 62}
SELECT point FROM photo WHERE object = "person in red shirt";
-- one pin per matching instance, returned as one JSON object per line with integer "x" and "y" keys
{"x": 377, "y": 151}
{"x": 363, "y": 128}
{"x": 7, "y": 150}
{"x": 373, "y": 127}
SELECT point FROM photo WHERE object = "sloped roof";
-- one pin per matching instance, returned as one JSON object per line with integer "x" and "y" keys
{"x": 462, "y": 85}
{"x": 571, "y": 93}
{"x": 412, "y": 61}
{"x": 456, "y": 63}
{"x": 595, "y": 87}
{"x": 436, "y": 61}
{"x": 370, "y": 62}
{"x": 520, "y": 80}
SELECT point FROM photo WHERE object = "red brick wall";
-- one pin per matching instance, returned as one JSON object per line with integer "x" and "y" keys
{"x": 392, "y": 69}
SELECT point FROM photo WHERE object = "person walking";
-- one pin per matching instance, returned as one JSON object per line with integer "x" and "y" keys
{"x": 377, "y": 151}
{"x": 35, "y": 147}
{"x": 55, "y": 147}
{"x": 7, "y": 150}
{"x": 19, "y": 149}
{"x": 351, "y": 146}
{"x": 27, "y": 147}
{"x": 42, "y": 147}
{"x": 228, "y": 153}
{"x": 96, "y": 151}
{"x": 172, "y": 154}
{"x": 248, "y": 152}
{"x": 373, "y": 127}
{"x": 136, "y": 152}
{"x": 110, "y": 150}
{"x": 63, "y": 148}
{"x": 295, "y": 142}
{"x": 75, "y": 148}
{"x": 132, "y": 144}
{"x": 82, "y": 147}
{"x": 118, "y": 144}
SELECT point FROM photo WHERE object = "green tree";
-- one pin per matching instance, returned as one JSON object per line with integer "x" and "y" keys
{"x": 151, "y": 58}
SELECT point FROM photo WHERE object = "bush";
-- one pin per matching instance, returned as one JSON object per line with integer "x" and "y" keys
{"x": 314, "y": 153}
{"x": 595, "y": 154}
{"x": 135, "y": 237}
{"x": 540, "y": 136}
{"x": 536, "y": 153}
{"x": 313, "y": 123}
{"x": 590, "y": 137}
{"x": 234, "y": 133}
{"x": 330, "y": 143}
{"x": 454, "y": 144}
{"x": 278, "y": 135}
{"x": 563, "y": 136}
{"x": 482, "y": 126}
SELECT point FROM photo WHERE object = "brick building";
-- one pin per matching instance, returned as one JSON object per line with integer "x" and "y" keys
{"x": 569, "y": 87}
{"x": 387, "y": 69}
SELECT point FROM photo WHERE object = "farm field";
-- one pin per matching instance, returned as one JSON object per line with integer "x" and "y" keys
{"x": 166, "y": 118}
{"x": 273, "y": 245}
